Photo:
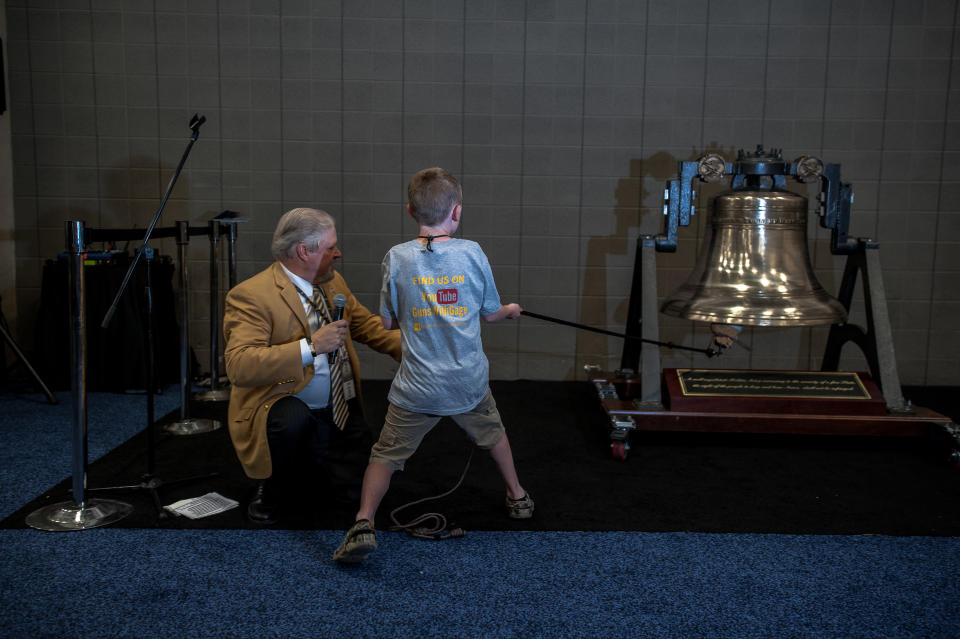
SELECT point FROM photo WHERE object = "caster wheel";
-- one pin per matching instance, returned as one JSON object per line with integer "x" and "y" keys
{"x": 619, "y": 450}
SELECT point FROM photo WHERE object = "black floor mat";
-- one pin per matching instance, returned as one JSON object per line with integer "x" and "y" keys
{"x": 696, "y": 482}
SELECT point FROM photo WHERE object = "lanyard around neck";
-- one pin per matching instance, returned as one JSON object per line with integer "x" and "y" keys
{"x": 430, "y": 239}
{"x": 323, "y": 314}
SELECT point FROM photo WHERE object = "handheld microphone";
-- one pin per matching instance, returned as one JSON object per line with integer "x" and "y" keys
{"x": 339, "y": 301}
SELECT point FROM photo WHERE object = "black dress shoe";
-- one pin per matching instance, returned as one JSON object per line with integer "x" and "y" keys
{"x": 261, "y": 510}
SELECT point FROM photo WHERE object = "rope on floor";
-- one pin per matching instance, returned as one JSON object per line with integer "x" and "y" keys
{"x": 438, "y": 530}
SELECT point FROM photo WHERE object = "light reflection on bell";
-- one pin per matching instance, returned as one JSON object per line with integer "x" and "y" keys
{"x": 754, "y": 268}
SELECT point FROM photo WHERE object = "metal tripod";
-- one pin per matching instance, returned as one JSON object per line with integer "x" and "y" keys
{"x": 150, "y": 482}
{"x": 23, "y": 358}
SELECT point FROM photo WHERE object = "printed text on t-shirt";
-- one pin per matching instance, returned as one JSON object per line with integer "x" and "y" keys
{"x": 439, "y": 280}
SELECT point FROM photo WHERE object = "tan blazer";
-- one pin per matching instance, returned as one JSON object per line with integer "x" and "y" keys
{"x": 263, "y": 324}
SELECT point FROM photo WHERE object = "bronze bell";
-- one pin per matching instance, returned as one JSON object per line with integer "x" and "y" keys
{"x": 754, "y": 268}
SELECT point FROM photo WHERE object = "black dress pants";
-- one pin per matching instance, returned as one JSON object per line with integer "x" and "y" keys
{"x": 313, "y": 459}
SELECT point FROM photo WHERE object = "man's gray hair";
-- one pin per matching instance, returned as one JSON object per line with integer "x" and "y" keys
{"x": 300, "y": 225}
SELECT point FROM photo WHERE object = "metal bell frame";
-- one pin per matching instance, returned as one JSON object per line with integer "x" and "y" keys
{"x": 835, "y": 197}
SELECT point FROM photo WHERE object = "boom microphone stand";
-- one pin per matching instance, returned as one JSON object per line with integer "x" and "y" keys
{"x": 151, "y": 482}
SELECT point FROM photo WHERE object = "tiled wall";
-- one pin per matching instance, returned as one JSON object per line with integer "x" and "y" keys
{"x": 562, "y": 117}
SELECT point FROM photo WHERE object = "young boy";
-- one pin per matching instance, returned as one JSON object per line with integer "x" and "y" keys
{"x": 435, "y": 290}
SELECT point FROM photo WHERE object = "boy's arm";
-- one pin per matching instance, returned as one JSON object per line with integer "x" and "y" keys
{"x": 364, "y": 326}
{"x": 510, "y": 311}
{"x": 387, "y": 296}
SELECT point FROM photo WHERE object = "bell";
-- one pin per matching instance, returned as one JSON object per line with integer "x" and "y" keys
{"x": 754, "y": 269}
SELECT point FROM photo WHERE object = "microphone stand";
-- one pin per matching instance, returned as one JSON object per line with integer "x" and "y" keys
{"x": 150, "y": 481}
{"x": 195, "y": 123}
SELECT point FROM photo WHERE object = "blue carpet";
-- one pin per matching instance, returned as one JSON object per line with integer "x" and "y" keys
{"x": 38, "y": 436}
{"x": 112, "y": 582}
{"x": 107, "y": 583}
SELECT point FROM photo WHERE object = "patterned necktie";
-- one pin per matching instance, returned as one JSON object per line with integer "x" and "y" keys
{"x": 340, "y": 409}
{"x": 316, "y": 299}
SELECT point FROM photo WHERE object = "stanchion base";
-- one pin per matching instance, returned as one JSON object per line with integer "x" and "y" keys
{"x": 192, "y": 426}
{"x": 213, "y": 395}
{"x": 67, "y": 515}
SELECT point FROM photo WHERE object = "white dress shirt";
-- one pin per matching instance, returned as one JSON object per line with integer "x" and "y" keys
{"x": 316, "y": 394}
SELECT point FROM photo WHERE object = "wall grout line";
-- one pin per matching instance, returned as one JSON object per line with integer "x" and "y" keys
{"x": 766, "y": 77}
{"x": 96, "y": 118}
{"x": 523, "y": 133}
{"x": 33, "y": 132}
{"x": 342, "y": 140}
{"x": 823, "y": 134}
{"x": 936, "y": 224}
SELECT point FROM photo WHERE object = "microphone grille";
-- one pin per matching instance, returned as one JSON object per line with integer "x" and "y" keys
{"x": 339, "y": 300}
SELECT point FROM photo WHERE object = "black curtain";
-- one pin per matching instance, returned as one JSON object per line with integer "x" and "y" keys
{"x": 116, "y": 355}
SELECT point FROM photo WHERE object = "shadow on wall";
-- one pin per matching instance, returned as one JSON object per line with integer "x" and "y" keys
{"x": 619, "y": 248}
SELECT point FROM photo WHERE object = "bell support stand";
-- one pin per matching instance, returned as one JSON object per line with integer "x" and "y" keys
{"x": 81, "y": 513}
{"x": 759, "y": 213}
{"x": 876, "y": 340}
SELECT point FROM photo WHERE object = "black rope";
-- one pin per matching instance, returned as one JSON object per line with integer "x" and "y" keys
{"x": 416, "y": 527}
{"x": 438, "y": 531}
{"x": 709, "y": 352}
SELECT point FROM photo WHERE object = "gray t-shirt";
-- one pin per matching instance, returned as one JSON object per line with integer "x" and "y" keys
{"x": 438, "y": 298}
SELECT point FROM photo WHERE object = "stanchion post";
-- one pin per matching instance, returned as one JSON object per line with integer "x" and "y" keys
{"x": 215, "y": 393}
{"x": 80, "y": 513}
{"x": 232, "y": 253}
{"x": 183, "y": 242}
{"x": 76, "y": 301}
{"x": 186, "y": 425}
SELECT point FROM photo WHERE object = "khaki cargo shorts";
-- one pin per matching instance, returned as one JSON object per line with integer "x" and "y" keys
{"x": 403, "y": 431}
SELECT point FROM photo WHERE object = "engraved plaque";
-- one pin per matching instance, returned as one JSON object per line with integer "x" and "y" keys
{"x": 793, "y": 384}
{"x": 785, "y": 392}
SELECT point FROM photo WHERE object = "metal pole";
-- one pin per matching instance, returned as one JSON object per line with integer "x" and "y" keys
{"x": 232, "y": 255}
{"x": 151, "y": 357}
{"x": 79, "y": 514}
{"x": 183, "y": 240}
{"x": 78, "y": 357}
{"x": 186, "y": 425}
{"x": 214, "y": 394}
{"x": 214, "y": 302}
